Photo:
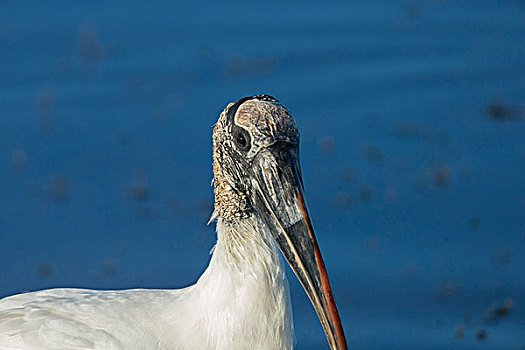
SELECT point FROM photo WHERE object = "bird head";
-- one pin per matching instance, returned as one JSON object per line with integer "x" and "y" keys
{"x": 257, "y": 172}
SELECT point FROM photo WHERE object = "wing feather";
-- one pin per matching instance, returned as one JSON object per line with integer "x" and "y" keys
{"x": 69, "y": 319}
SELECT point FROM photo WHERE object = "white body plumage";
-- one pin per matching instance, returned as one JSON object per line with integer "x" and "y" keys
{"x": 240, "y": 302}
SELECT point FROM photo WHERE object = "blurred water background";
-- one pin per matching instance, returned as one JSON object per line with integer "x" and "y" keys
{"x": 412, "y": 116}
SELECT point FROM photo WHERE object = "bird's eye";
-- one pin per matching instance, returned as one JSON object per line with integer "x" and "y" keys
{"x": 242, "y": 140}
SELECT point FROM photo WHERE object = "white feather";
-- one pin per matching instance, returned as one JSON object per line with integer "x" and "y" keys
{"x": 240, "y": 302}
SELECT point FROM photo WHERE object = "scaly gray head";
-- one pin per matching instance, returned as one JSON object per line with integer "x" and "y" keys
{"x": 257, "y": 172}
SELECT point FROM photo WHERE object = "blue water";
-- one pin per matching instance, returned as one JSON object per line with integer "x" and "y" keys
{"x": 412, "y": 115}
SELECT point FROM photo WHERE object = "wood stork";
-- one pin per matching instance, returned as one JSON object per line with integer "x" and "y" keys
{"x": 241, "y": 301}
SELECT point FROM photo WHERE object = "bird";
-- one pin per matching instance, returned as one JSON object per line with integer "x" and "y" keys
{"x": 242, "y": 299}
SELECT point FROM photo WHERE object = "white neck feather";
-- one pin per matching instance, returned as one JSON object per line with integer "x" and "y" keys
{"x": 242, "y": 299}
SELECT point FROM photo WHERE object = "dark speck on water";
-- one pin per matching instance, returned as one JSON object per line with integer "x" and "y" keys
{"x": 449, "y": 289}
{"x": 481, "y": 335}
{"x": 366, "y": 194}
{"x": 342, "y": 199}
{"x": 326, "y": 144}
{"x": 347, "y": 175}
{"x": 474, "y": 222}
{"x": 501, "y": 112}
{"x": 412, "y": 152}
{"x": 441, "y": 176}
{"x": 498, "y": 311}
{"x": 138, "y": 192}
{"x": 58, "y": 189}
{"x": 90, "y": 50}
{"x": 502, "y": 257}
{"x": 460, "y": 332}
{"x": 110, "y": 268}
{"x": 45, "y": 269}
{"x": 372, "y": 152}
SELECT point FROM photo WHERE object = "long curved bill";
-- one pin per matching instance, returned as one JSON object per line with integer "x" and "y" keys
{"x": 280, "y": 201}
